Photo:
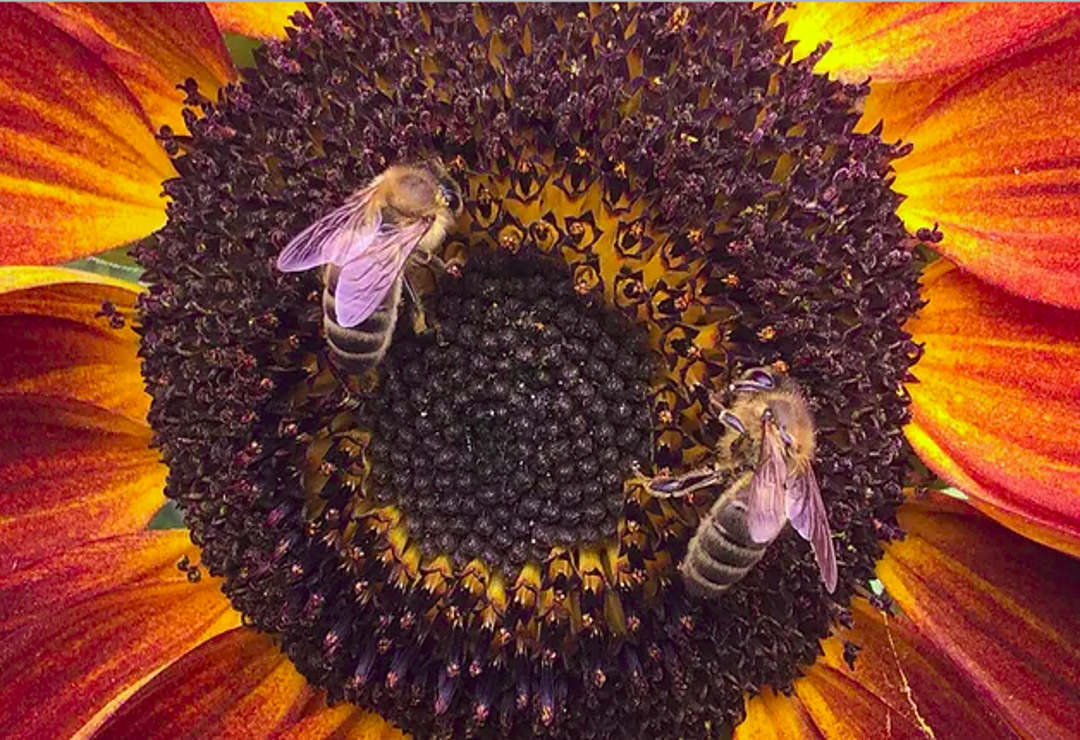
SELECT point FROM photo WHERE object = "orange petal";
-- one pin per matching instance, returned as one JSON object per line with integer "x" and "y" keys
{"x": 70, "y": 471}
{"x": 995, "y": 162}
{"x": 987, "y": 645}
{"x": 259, "y": 20}
{"x": 995, "y": 408}
{"x": 770, "y": 716}
{"x": 239, "y": 684}
{"x": 341, "y": 721}
{"x": 902, "y": 686}
{"x": 83, "y": 645}
{"x": 80, "y": 170}
{"x": 896, "y": 41}
{"x": 58, "y": 347}
{"x": 1002, "y": 609}
{"x": 151, "y": 47}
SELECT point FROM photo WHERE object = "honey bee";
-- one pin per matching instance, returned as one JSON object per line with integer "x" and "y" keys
{"x": 398, "y": 219}
{"x": 768, "y": 479}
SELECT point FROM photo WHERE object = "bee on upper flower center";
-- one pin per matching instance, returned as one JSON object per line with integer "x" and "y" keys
{"x": 398, "y": 219}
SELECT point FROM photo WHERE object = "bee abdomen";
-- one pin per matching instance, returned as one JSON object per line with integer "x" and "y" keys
{"x": 361, "y": 347}
{"x": 720, "y": 553}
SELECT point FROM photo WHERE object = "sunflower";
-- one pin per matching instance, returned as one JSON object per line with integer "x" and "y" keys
{"x": 458, "y": 544}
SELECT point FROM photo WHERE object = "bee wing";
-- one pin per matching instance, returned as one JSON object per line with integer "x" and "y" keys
{"x": 366, "y": 278}
{"x": 806, "y": 511}
{"x": 766, "y": 514}
{"x": 334, "y": 238}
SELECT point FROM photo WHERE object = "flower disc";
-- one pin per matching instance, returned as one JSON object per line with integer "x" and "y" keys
{"x": 655, "y": 198}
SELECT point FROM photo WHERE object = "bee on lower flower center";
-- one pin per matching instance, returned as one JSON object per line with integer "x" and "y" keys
{"x": 398, "y": 219}
{"x": 768, "y": 480}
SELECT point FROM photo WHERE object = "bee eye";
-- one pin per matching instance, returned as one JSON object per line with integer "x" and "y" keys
{"x": 786, "y": 438}
{"x": 762, "y": 378}
{"x": 450, "y": 195}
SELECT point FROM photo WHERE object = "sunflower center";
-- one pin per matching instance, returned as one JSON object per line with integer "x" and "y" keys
{"x": 511, "y": 427}
{"x": 460, "y": 544}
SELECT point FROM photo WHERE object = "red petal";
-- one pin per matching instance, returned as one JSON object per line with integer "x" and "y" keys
{"x": 996, "y": 163}
{"x": 995, "y": 408}
{"x": 259, "y": 20}
{"x": 151, "y": 47}
{"x": 896, "y": 41}
{"x": 91, "y": 624}
{"x": 987, "y": 645}
{"x": 80, "y": 170}
{"x": 1002, "y": 609}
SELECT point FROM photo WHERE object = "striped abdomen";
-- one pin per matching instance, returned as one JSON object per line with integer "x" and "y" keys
{"x": 361, "y": 347}
{"x": 721, "y": 553}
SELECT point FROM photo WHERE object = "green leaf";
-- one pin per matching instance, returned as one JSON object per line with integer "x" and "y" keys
{"x": 116, "y": 263}
{"x": 167, "y": 517}
{"x": 242, "y": 49}
{"x": 955, "y": 493}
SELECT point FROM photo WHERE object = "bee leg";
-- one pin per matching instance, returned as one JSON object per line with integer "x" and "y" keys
{"x": 419, "y": 322}
{"x": 451, "y": 268}
{"x": 685, "y": 484}
{"x": 730, "y": 420}
{"x": 638, "y": 477}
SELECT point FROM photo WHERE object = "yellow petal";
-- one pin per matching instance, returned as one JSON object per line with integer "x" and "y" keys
{"x": 259, "y": 20}
{"x": 896, "y": 41}
{"x": 58, "y": 345}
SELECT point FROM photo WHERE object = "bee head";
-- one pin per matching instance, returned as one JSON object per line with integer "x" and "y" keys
{"x": 449, "y": 195}
{"x": 773, "y": 399}
{"x": 756, "y": 380}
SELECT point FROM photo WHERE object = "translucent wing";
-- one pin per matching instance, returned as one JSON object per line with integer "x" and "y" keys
{"x": 806, "y": 511}
{"x": 767, "y": 515}
{"x": 367, "y": 276}
{"x": 334, "y": 238}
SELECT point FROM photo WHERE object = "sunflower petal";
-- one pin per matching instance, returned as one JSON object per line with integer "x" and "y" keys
{"x": 151, "y": 47}
{"x": 897, "y": 41}
{"x": 986, "y": 646}
{"x": 996, "y": 164}
{"x": 59, "y": 345}
{"x": 835, "y": 703}
{"x": 70, "y": 471}
{"x": 995, "y": 408}
{"x": 258, "y": 20}
{"x": 80, "y": 170}
{"x": 75, "y": 460}
{"x": 341, "y": 721}
{"x": 238, "y": 683}
{"x": 1002, "y": 609}
{"x": 902, "y": 686}
{"x": 95, "y": 622}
